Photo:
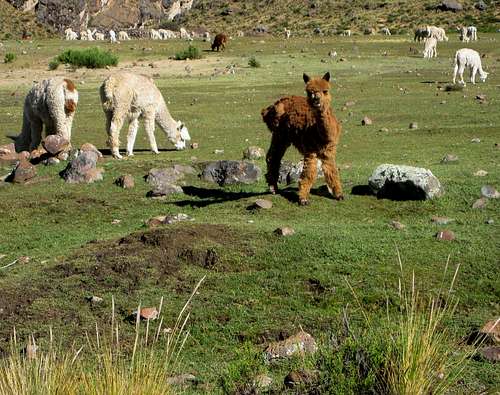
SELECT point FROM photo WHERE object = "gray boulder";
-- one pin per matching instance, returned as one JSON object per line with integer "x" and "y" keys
{"x": 163, "y": 181}
{"x": 82, "y": 168}
{"x": 400, "y": 182}
{"x": 290, "y": 172}
{"x": 227, "y": 172}
{"x": 481, "y": 5}
{"x": 23, "y": 172}
{"x": 450, "y": 5}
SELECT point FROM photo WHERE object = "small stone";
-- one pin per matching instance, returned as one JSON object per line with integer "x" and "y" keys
{"x": 195, "y": 145}
{"x": 149, "y": 313}
{"x": 253, "y": 153}
{"x": 126, "y": 181}
{"x": 82, "y": 168}
{"x": 475, "y": 140}
{"x": 262, "y": 382}
{"x": 284, "y": 231}
{"x": 384, "y": 130}
{"x": 441, "y": 220}
{"x": 262, "y": 204}
{"x": 54, "y": 144}
{"x": 95, "y": 299}
{"x": 413, "y": 125}
{"x": 298, "y": 378}
{"x": 62, "y": 156}
{"x": 91, "y": 147}
{"x": 24, "y": 171}
{"x": 116, "y": 222}
{"x": 51, "y": 161}
{"x": 480, "y": 203}
{"x": 181, "y": 379}
{"x": 218, "y": 151}
{"x": 489, "y": 192}
{"x": 489, "y": 221}
{"x": 163, "y": 190}
{"x": 449, "y": 158}
{"x": 366, "y": 121}
{"x": 491, "y": 354}
{"x": 228, "y": 172}
{"x": 397, "y": 225}
{"x": 492, "y": 330}
{"x": 23, "y": 259}
{"x": 31, "y": 350}
{"x": 481, "y": 173}
{"x": 349, "y": 103}
{"x": 481, "y": 97}
{"x": 447, "y": 235}
{"x": 173, "y": 218}
{"x": 37, "y": 153}
{"x": 300, "y": 343}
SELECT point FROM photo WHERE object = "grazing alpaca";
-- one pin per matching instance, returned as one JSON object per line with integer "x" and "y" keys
{"x": 51, "y": 102}
{"x": 123, "y": 36}
{"x": 220, "y": 42}
{"x": 126, "y": 95}
{"x": 308, "y": 124}
{"x": 471, "y": 59}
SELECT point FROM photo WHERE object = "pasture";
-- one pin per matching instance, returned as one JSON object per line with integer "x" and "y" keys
{"x": 262, "y": 287}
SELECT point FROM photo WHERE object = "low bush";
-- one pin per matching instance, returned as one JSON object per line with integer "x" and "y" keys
{"x": 9, "y": 57}
{"x": 190, "y": 53}
{"x": 252, "y": 62}
{"x": 92, "y": 58}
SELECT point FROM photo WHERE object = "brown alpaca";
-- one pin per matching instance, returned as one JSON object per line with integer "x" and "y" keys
{"x": 220, "y": 41}
{"x": 308, "y": 124}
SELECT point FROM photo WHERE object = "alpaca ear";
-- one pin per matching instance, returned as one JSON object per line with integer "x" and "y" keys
{"x": 306, "y": 78}
{"x": 326, "y": 77}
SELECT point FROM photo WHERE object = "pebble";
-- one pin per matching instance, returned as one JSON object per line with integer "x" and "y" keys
{"x": 445, "y": 235}
{"x": 366, "y": 121}
{"x": 284, "y": 231}
{"x": 489, "y": 221}
{"x": 481, "y": 173}
{"x": 449, "y": 158}
{"x": 475, "y": 140}
{"x": 397, "y": 225}
{"x": 480, "y": 203}
{"x": 441, "y": 220}
{"x": 489, "y": 192}
{"x": 413, "y": 125}
{"x": 263, "y": 204}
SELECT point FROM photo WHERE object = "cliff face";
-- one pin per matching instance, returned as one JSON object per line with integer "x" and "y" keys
{"x": 79, "y": 14}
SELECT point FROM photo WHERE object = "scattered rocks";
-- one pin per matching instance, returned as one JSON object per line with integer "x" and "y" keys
{"x": 290, "y": 172}
{"x": 299, "y": 378}
{"x": 262, "y": 204}
{"x": 161, "y": 191}
{"x": 284, "y": 231}
{"x": 91, "y": 147}
{"x": 447, "y": 235}
{"x": 397, "y": 225}
{"x": 480, "y": 203}
{"x": 449, "y": 5}
{"x": 182, "y": 379}
{"x": 262, "y": 382}
{"x": 95, "y": 299}
{"x": 218, "y": 151}
{"x": 481, "y": 173}
{"x": 481, "y": 5}
{"x": 413, "y": 125}
{"x": 82, "y": 169}
{"x": 167, "y": 219}
{"x": 441, "y": 220}
{"x": 481, "y": 97}
{"x": 149, "y": 313}
{"x": 253, "y": 153}
{"x": 489, "y": 221}
{"x": 366, "y": 121}
{"x": 126, "y": 181}
{"x": 491, "y": 354}
{"x": 8, "y": 153}
{"x": 195, "y": 145}
{"x": 163, "y": 180}
{"x": 475, "y": 140}
{"x": 24, "y": 171}
{"x": 54, "y": 144}
{"x": 492, "y": 330}
{"x": 449, "y": 158}
{"x": 349, "y": 103}
{"x": 300, "y": 343}
{"x": 51, "y": 161}
{"x": 116, "y": 222}
{"x": 489, "y": 192}
{"x": 383, "y": 130}
{"x": 400, "y": 182}
{"x": 228, "y": 172}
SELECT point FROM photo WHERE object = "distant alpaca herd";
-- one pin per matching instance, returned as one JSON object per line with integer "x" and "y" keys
{"x": 307, "y": 123}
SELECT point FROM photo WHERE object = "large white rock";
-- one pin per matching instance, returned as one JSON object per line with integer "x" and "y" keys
{"x": 400, "y": 182}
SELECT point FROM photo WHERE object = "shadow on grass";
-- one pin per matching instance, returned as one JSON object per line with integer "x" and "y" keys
{"x": 107, "y": 151}
{"x": 211, "y": 196}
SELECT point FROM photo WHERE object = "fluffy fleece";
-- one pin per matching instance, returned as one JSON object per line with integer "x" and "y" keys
{"x": 220, "y": 42}
{"x": 310, "y": 126}
{"x": 132, "y": 96}
{"x": 51, "y": 102}
{"x": 468, "y": 58}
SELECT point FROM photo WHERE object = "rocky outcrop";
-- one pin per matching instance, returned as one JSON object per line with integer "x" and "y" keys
{"x": 76, "y": 14}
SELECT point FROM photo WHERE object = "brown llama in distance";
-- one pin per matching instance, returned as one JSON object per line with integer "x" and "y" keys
{"x": 308, "y": 124}
{"x": 220, "y": 42}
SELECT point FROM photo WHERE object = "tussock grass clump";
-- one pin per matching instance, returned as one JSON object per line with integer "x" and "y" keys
{"x": 191, "y": 52}
{"x": 92, "y": 58}
{"x": 9, "y": 57}
{"x": 253, "y": 62}
{"x": 102, "y": 365}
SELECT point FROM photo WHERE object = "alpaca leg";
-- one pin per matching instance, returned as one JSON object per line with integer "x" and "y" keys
{"x": 132, "y": 134}
{"x": 307, "y": 178}
{"x": 473, "y": 75}
{"x": 455, "y": 70}
{"x": 274, "y": 155}
{"x": 149, "y": 125}
{"x": 461, "y": 70}
{"x": 36, "y": 133}
{"x": 332, "y": 177}
{"x": 114, "y": 126}
{"x": 23, "y": 141}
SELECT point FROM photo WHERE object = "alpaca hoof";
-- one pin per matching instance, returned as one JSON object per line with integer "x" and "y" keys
{"x": 156, "y": 152}
{"x": 117, "y": 156}
{"x": 339, "y": 197}
{"x": 304, "y": 202}
{"x": 130, "y": 154}
{"x": 273, "y": 189}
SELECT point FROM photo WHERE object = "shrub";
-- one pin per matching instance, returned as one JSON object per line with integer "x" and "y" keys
{"x": 190, "y": 53}
{"x": 92, "y": 58}
{"x": 252, "y": 62}
{"x": 54, "y": 64}
{"x": 9, "y": 57}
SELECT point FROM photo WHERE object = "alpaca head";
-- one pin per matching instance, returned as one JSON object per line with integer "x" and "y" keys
{"x": 182, "y": 135}
{"x": 483, "y": 75}
{"x": 318, "y": 91}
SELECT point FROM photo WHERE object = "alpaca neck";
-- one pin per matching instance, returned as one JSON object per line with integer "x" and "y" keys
{"x": 167, "y": 123}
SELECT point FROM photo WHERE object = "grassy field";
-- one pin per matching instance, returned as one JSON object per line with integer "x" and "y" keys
{"x": 263, "y": 287}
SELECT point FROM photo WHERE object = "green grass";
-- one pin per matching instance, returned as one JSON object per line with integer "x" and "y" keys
{"x": 191, "y": 52}
{"x": 91, "y": 58}
{"x": 9, "y": 57}
{"x": 263, "y": 286}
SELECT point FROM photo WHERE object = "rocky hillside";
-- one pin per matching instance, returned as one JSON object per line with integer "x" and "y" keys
{"x": 15, "y": 22}
{"x": 302, "y": 16}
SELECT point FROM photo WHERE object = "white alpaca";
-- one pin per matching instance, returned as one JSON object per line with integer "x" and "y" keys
{"x": 288, "y": 33}
{"x": 464, "y": 35}
{"x": 83, "y": 35}
{"x": 112, "y": 36}
{"x": 437, "y": 32}
{"x": 90, "y": 34}
{"x": 100, "y": 36}
{"x": 469, "y": 58}
{"x": 347, "y": 33}
{"x": 421, "y": 33}
{"x": 385, "y": 31}
{"x": 126, "y": 95}
{"x": 155, "y": 34}
{"x": 166, "y": 34}
{"x": 123, "y": 36}
{"x": 184, "y": 34}
{"x": 70, "y": 35}
{"x": 430, "y": 50}
{"x": 51, "y": 102}
{"x": 472, "y": 33}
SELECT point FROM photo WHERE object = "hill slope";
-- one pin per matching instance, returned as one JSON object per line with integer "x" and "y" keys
{"x": 13, "y": 22}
